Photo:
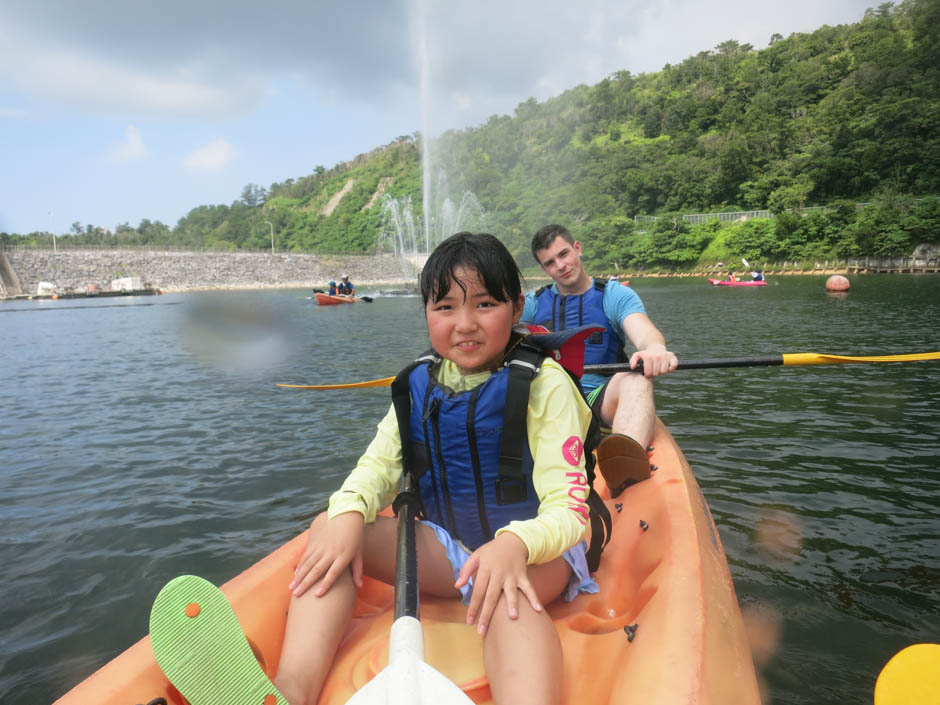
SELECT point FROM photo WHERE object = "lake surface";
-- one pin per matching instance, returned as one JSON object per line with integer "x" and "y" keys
{"x": 145, "y": 438}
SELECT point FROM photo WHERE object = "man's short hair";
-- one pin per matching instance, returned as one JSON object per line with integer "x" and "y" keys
{"x": 544, "y": 238}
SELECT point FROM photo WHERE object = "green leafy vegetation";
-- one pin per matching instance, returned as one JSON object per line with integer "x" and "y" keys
{"x": 837, "y": 117}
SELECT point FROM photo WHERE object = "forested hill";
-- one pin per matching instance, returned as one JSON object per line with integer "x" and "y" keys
{"x": 841, "y": 115}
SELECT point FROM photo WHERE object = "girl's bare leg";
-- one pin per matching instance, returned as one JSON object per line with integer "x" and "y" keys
{"x": 316, "y": 625}
{"x": 536, "y": 678}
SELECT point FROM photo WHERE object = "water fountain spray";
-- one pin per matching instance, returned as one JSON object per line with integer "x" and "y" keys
{"x": 409, "y": 237}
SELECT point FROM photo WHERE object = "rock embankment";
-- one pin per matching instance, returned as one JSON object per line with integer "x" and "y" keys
{"x": 190, "y": 271}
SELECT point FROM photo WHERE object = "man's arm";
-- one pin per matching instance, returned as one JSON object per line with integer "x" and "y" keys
{"x": 650, "y": 346}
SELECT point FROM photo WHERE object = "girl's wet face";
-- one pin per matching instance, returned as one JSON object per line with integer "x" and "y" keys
{"x": 468, "y": 326}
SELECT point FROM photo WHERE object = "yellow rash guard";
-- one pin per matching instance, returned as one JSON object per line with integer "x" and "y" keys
{"x": 557, "y": 423}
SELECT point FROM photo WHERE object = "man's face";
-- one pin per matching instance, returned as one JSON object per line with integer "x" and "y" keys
{"x": 562, "y": 261}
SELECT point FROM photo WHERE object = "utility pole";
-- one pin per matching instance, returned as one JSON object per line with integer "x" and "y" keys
{"x": 272, "y": 235}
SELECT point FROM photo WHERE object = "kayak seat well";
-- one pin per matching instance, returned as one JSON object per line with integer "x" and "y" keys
{"x": 629, "y": 575}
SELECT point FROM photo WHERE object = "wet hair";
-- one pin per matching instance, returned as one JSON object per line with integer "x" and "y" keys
{"x": 480, "y": 252}
{"x": 544, "y": 238}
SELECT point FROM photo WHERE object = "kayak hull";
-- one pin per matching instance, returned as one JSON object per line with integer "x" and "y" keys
{"x": 722, "y": 282}
{"x": 668, "y": 584}
{"x": 327, "y": 300}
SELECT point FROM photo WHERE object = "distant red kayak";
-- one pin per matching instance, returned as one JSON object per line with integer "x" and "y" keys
{"x": 722, "y": 282}
{"x": 327, "y": 300}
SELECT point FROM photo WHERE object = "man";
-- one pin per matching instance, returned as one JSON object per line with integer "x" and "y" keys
{"x": 345, "y": 287}
{"x": 624, "y": 402}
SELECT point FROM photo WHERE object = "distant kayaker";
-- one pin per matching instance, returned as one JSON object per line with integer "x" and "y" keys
{"x": 332, "y": 289}
{"x": 757, "y": 276}
{"x": 508, "y": 548}
{"x": 623, "y": 402}
{"x": 345, "y": 287}
{"x": 731, "y": 277}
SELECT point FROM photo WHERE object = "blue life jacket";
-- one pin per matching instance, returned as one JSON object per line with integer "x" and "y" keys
{"x": 558, "y": 312}
{"x": 469, "y": 451}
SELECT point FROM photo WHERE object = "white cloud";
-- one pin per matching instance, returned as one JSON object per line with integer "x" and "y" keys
{"x": 79, "y": 78}
{"x": 212, "y": 158}
{"x": 130, "y": 149}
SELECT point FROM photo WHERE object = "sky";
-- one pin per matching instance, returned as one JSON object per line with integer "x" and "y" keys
{"x": 115, "y": 111}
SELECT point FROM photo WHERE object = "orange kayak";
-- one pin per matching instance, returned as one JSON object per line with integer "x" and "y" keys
{"x": 665, "y": 627}
{"x": 327, "y": 300}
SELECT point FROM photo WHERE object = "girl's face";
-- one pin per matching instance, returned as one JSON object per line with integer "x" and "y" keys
{"x": 471, "y": 328}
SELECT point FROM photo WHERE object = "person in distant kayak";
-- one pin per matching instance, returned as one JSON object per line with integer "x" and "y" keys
{"x": 757, "y": 276}
{"x": 507, "y": 549}
{"x": 332, "y": 291}
{"x": 731, "y": 277}
{"x": 624, "y": 402}
{"x": 345, "y": 287}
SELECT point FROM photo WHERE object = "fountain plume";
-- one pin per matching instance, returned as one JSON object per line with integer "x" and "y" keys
{"x": 409, "y": 236}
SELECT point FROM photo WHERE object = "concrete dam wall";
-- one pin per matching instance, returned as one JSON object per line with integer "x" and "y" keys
{"x": 76, "y": 270}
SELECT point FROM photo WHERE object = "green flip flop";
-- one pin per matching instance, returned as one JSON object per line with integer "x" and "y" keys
{"x": 201, "y": 648}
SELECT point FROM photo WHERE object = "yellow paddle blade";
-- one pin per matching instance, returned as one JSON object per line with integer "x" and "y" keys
{"x": 384, "y": 382}
{"x": 823, "y": 359}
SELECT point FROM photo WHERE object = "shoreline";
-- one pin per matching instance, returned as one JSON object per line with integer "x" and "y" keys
{"x": 27, "y": 273}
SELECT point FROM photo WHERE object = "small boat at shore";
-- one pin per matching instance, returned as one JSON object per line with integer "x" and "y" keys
{"x": 665, "y": 628}
{"x": 723, "y": 282}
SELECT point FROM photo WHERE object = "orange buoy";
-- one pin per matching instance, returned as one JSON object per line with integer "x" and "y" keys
{"x": 837, "y": 283}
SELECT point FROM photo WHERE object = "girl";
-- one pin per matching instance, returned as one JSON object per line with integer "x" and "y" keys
{"x": 506, "y": 550}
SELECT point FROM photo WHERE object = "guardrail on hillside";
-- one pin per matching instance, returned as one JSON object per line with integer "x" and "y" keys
{"x": 735, "y": 216}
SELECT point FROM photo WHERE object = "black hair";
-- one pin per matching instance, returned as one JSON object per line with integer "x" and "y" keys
{"x": 544, "y": 238}
{"x": 482, "y": 253}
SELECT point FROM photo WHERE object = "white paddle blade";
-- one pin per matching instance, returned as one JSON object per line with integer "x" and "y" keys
{"x": 408, "y": 680}
{"x": 745, "y": 263}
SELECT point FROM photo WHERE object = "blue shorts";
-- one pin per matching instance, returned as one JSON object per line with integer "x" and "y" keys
{"x": 580, "y": 581}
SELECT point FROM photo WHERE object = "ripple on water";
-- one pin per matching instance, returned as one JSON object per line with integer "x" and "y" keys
{"x": 132, "y": 457}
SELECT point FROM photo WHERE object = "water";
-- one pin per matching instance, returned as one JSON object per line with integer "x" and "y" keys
{"x": 144, "y": 438}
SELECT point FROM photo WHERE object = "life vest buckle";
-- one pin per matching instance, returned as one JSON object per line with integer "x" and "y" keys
{"x": 510, "y": 490}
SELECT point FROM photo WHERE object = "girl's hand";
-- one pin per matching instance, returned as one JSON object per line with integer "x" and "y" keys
{"x": 498, "y": 566}
{"x": 329, "y": 550}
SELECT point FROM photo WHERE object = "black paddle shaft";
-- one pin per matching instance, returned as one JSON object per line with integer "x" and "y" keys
{"x": 406, "y": 559}
{"x": 690, "y": 364}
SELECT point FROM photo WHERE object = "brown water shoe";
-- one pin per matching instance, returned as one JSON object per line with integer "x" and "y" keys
{"x": 622, "y": 462}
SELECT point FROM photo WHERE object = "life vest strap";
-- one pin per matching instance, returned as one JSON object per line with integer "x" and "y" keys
{"x": 524, "y": 364}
